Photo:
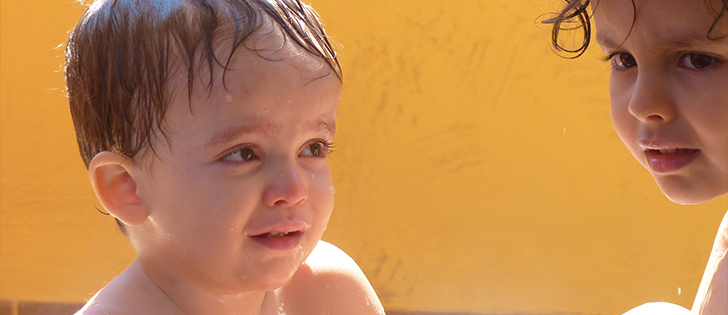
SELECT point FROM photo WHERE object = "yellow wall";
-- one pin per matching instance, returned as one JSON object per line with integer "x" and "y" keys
{"x": 475, "y": 170}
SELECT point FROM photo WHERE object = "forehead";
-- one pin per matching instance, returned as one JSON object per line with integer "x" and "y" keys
{"x": 268, "y": 43}
{"x": 266, "y": 52}
{"x": 272, "y": 43}
{"x": 686, "y": 20}
{"x": 270, "y": 81}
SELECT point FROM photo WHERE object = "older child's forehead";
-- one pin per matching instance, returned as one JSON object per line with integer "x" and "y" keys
{"x": 672, "y": 24}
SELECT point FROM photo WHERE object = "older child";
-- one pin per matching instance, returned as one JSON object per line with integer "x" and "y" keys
{"x": 669, "y": 95}
{"x": 205, "y": 127}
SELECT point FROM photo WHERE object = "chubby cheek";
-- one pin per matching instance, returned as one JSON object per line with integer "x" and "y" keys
{"x": 705, "y": 108}
{"x": 203, "y": 213}
{"x": 714, "y": 138}
{"x": 322, "y": 199}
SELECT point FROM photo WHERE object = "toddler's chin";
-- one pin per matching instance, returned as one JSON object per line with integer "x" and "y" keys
{"x": 275, "y": 283}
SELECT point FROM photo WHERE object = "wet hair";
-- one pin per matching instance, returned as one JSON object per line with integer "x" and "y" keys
{"x": 119, "y": 58}
{"x": 575, "y": 17}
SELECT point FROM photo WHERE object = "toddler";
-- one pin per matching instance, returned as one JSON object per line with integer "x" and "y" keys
{"x": 205, "y": 126}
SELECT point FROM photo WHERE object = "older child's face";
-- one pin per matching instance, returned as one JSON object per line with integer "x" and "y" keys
{"x": 669, "y": 91}
{"x": 241, "y": 192}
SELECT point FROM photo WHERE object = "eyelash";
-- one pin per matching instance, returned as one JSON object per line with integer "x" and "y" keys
{"x": 239, "y": 150}
{"x": 325, "y": 150}
{"x": 610, "y": 59}
{"x": 713, "y": 61}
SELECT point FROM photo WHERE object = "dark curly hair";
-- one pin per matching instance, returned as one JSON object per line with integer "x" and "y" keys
{"x": 118, "y": 60}
{"x": 575, "y": 17}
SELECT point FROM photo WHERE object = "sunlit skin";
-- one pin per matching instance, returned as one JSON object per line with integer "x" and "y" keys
{"x": 669, "y": 100}
{"x": 668, "y": 92}
{"x": 249, "y": 159}
{"x": 236, "y": 195}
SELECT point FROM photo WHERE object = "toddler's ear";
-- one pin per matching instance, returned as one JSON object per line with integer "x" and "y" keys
{"x": 114, "y": 179}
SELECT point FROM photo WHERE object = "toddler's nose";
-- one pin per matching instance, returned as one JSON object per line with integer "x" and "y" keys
{"x": 286, "y": 187}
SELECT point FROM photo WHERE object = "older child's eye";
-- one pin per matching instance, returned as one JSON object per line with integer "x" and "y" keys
{"x": 317, "y": 149}
{"x": 244, "y": 154}
{"x": 622, "y": 61}
{"x": 696, "y": 61}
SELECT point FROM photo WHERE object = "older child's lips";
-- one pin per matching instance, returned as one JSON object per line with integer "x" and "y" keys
{"x": 665, "y": 161}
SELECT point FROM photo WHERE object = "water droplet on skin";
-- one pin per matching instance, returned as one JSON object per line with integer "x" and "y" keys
{"x": 332, "y": 189}
{"x": 300, "y": 254}
{"x": 228, "y": 98}
{"x": 313, "y": 177}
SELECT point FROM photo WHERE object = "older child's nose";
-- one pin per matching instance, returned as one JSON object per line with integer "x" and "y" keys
{"x": 286, "y": 186}
{"x": 651, "y": 99}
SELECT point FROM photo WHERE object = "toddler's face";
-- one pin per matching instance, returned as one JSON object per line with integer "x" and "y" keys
{"x": 240, "y": 192}
{"x": 669, "y": 91}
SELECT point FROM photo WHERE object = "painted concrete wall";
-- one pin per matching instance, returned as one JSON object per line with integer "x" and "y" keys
{"x": 476, "y": 172}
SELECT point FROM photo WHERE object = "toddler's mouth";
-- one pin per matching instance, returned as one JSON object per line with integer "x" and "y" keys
{"x": 279, "y": 240}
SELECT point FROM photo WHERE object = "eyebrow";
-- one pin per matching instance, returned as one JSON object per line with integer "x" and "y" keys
{"x": 232, "y": 133}
{"x": 266, "y": 129}
{"x": 673, "y": 41}
{"x": 328, "y": 125}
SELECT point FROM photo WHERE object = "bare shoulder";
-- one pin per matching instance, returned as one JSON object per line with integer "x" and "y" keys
{"x": 661, "y": 308}
{"x": 334, "y": 281}
{"x": 95, "y": 309}
{"x": 327, "y": 258}
{"x": 127, "y": 294}
{"x": 721, "y": 240}
{"x": 103, "y": 303}
{"x": 712, "y": 297}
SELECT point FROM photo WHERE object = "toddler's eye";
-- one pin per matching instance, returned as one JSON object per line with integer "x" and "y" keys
{"x": 244, "y": 154}
{"x": 317, "y": 149}
{"x": 696, "y": 61}
{"x": 622, "y": 60}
